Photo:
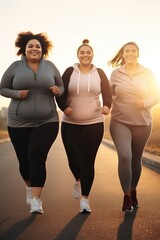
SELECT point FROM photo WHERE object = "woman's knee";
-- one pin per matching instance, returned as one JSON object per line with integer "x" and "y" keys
{"x": 124, "y": 158}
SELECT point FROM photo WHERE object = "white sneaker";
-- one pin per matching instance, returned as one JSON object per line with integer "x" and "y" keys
{"x": 84, "y": 206}
{"x": 77, "y": 190}
{"x": 28, "y": 194}
{"x": 36, "y": 205}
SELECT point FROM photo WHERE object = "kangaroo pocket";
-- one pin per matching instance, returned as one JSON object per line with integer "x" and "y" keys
{"x": 85, "y": 109}
{"x": 32, "y": 110}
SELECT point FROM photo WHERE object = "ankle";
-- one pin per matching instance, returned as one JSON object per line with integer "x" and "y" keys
{"x": 77, "y": 180}
{"x": 86, "y": 197}
{"x": 127, "y": 194}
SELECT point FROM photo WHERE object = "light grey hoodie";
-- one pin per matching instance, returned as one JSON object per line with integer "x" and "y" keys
{"x": 39, "y": 106}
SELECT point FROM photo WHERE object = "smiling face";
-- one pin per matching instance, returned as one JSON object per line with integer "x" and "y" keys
{"x": 33, "y": 50}
{"x": 85, "y": 55}
{"x": 130, "y": 54}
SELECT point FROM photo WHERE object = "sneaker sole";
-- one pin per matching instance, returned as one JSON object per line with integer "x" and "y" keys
{"x": 85, "y": 211}
{"x": 36, "y": 212}
{"x": 128, "y": 210}
{"x": 136, "y": 206}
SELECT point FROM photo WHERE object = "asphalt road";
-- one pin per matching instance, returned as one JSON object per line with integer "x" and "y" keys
{"x": 61, "y": 219}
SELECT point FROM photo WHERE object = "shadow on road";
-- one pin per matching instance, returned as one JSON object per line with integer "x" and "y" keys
{"x": 15, "y": 230}
{"x": 72, "y": 229}
{"x": 125, "y": 228}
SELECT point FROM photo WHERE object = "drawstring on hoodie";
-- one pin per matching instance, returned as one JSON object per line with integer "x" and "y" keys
{"x": 78, "y": 82}
{"x": 89, "y": 82}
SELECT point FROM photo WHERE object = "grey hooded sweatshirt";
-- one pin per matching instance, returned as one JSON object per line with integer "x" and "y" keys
{"x": 39, "y": 106}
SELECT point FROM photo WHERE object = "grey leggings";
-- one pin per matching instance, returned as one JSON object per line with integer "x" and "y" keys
{"x": 129, "y": 141}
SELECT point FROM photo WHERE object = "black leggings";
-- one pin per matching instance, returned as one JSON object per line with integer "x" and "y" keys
{"x": 32, "y": 146}
{"x": 81, "y": 143}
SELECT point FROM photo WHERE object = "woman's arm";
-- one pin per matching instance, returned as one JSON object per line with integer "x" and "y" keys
{"x": 6, "y": 88}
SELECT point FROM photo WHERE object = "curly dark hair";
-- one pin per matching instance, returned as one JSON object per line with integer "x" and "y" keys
{"x": 118, "y": 60}
{"x": 24, "y": 37}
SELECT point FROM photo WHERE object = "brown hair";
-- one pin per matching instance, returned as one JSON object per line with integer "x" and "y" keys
{"x": 118, "y": 60}
{"x": 24, "y": 37}
{"x": 85, "y": 42}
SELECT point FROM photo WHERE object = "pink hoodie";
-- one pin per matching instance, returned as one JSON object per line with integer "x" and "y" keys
{"x": 84, "y": 97}
{"x": 125, "y": 91}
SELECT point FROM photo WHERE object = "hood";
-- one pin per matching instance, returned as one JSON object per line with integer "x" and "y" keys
{"x": 76, "y": 68}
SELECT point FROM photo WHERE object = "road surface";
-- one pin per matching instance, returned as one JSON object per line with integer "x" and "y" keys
{"x": 61, "y": 219}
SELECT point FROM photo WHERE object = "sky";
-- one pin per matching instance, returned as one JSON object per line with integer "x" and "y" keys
{"x": 108, "y": 24}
